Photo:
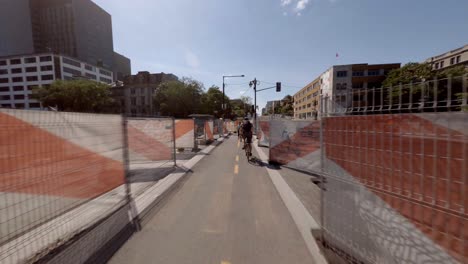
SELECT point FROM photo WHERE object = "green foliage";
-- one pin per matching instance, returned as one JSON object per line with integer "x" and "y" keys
{"x": 212, "y": 101}
{"x": 179, "y": 98}
{"x": 411, "y": 72}
{"x": 77, "y": 96}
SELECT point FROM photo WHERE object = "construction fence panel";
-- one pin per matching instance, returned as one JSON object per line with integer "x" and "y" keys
{"x": 56, "y": 172}
{"x": 151, "y": 150}
{"x": 295, "y": 144}
{"x": 185, "y": 133}
{"x": 263, "y": 132}
{"x": 396, "y": 187}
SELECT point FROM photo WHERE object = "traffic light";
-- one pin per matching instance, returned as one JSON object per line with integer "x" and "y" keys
{"x": 278, "y": 87}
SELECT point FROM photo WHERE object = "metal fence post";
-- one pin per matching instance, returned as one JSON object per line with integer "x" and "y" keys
{"x": 174, "y": 138}
{"x": 126, "y": 163}
{"x": 322, "y": 173}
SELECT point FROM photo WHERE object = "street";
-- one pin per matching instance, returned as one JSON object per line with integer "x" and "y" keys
{"x": 227, "y": 211}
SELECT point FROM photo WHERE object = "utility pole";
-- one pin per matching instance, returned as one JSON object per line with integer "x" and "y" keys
{"x": 254, "y": 84}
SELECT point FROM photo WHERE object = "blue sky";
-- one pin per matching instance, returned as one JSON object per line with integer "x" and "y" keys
{"x": 291, "y": 41}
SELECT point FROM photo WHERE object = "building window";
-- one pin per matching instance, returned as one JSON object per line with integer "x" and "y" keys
{"x": 91, "y": 76}
{"x": 132, "y": 91}
{"x": 30, "y": 60}
{"x": 341, "y": 86}
{"x": 31, "y": 78}
{"x": 31, "y": 87}
{"x": 89, "y": 68}
{"x": 18, "y": 88}
{"x": 103, "y": 72}
{"x": 31, "y": 69}
{"x": 358, "y": 73}
{"x": 34, "y": 105}
{"x": 3, "y": 80}
{"x": 19, "y": 105}
{"x": 133, "y": 101}
{"x": 4, "y": 89}
{"x": 142, "y": 100}
{"x": 341, "y": 74}
{"x": 452, "y": 61}
{"x": 5, "y": 97}
{"x": 441, "y": 64}
{"x": 3, "y": 62}
{"x": 45, "y": 58}
{"x": 374, "y": 85}
{"x": 458, "y": 59}
{"x": 3, "y": 72}
{"x": 47, "y": 77}
{"x": 437, "y": 66}
{"x": 19, "y": 96}
{"x": 17, "y": 70}
{"x": 6, "y": 105}
{"x": 47, "y": 68}
{"x": 71, "y": 62}
{"x": 15, "y": 61}
{"x": 72, "y": 71}
{"x": 373, "y": 72}
{"x": 309, "y": 105}
{"x": 358, "y": 85}
{"x": 102, "y": 79}
{"x": 17, "y": 79}
{"x": 68, "y": 78}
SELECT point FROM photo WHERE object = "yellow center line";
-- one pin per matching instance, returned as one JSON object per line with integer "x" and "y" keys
{"x": 237, "y": 158}
{"x": 236, "y": 169}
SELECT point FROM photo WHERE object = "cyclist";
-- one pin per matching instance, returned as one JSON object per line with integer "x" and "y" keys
{"x": 247, "y": 132}
{"x": 239, "y": 132}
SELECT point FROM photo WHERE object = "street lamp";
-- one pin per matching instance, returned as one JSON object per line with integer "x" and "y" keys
{"x": 228, "y": 76}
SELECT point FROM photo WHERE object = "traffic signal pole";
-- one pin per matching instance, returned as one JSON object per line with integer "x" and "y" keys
{"x": 254, "y": 84}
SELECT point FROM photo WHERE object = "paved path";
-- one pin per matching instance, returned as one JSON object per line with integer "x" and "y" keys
{"x": 227, "y": 212}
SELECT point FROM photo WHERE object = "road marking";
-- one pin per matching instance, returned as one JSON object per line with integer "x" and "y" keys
{"x": 237, "y": 158}
{"x": 236, "y": 169}
{"x": 238, "y": 144}
{"x": 225, "y": 262}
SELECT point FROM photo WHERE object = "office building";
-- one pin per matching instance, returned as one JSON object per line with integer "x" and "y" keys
{"x": 342, "y": 86}
{"x": 19, "y": 75}
{"x": 136, "y": 95}
{"x": 450, "y": 59}
{"x": 122, "y": 67}
{"x": 271, "y": 106}
{"x": 75, "y": 28}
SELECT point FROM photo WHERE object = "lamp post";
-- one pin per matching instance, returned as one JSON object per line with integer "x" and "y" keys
{"x": 228, "y": 76}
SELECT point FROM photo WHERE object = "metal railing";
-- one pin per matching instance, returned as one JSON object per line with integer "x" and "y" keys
{"x": 438, "y": 95}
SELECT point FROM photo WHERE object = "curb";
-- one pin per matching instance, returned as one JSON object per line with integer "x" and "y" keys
{"x": 302, "y": 218}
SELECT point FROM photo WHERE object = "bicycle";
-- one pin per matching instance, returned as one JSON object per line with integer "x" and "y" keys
{"x": 248, "y": 148}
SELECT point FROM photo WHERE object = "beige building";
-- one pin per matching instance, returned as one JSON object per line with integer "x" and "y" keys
{"x": 307, "y": 101}
{"x": 342, "y": 85}
{"x": 451, "y": 58}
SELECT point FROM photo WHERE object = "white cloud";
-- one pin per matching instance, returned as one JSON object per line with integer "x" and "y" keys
{"x": 301, "y": 5}
{"x": 192, "y": 59}
{"x": 295, "y": 6}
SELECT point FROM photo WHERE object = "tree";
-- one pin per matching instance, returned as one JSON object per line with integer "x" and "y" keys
{"x": 179, "y": 98}
{"x": 212, "y": 100}
{"x": 419, "y": 84}
{"x": 287, "y": 106}
{"x": 77, "y": 96}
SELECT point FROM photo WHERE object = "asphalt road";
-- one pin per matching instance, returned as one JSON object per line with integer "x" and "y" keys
{"x": 227, "y": 212}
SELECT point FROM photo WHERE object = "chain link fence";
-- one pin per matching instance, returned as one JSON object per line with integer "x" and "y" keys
{"x": 393, "y": 164}
{"x": 70, "y": 178}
